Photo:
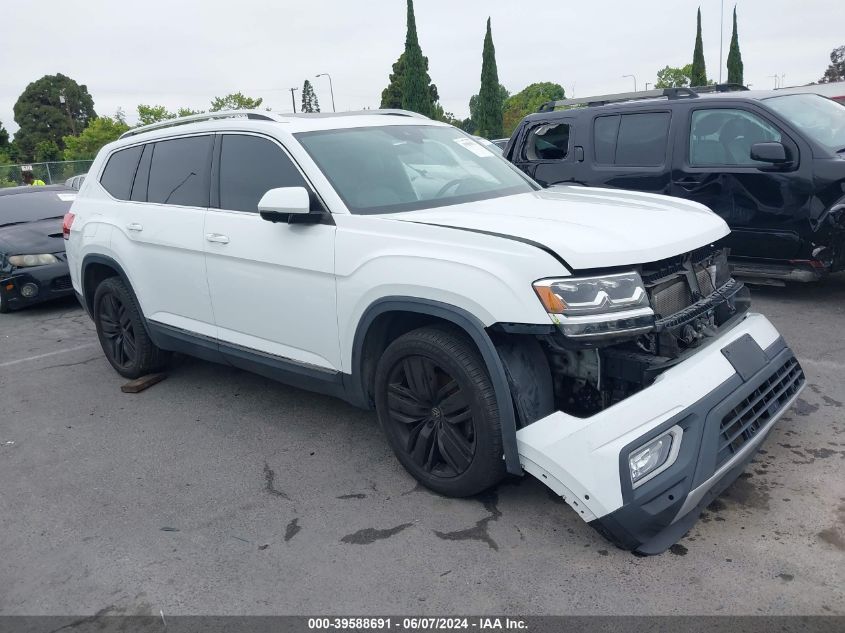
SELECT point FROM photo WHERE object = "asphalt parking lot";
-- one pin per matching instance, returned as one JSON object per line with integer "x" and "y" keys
{"x": 220, "y": 492}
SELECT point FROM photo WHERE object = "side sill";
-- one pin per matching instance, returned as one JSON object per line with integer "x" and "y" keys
{"x": 276, "y": 368}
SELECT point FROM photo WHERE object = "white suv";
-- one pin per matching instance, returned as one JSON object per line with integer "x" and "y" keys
{"x": 592, "y": 338}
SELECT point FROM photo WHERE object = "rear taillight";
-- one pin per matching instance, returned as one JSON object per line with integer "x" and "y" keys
{"x": 66, "y": 224}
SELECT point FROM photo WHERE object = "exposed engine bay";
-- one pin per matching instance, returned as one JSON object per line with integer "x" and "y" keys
{"x": 692, "y": 296}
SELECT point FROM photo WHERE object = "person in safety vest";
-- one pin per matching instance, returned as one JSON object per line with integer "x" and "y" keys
{"x": 29, "y": 179}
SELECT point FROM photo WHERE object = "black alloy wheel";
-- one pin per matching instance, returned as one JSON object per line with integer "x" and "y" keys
{"x": 438, "y": 410}
{"x": 433, "y": 416}
{"x": 117, "y": 331}
{"x": 120, "y": 328}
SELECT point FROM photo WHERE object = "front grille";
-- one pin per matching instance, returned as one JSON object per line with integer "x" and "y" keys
{"x": 755, "y": 411}
{"x": 62, "y": 283}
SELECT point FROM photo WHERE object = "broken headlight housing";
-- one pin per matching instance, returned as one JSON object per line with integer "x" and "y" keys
{"x": 606, "y": 306}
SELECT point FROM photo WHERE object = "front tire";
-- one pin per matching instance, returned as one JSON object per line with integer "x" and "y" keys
{"x": 120, "y": 328}
{"x": 438, "y": 409}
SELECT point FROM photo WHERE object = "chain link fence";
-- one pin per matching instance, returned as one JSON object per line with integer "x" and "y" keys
{"x": 52, "y": 173}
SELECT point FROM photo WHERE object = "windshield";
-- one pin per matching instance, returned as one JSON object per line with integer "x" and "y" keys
{"x": 821, "y": 119}
{"x": 394, "y": 168}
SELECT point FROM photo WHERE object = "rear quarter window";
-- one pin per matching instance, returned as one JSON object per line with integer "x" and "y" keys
{"x": 120, "y": 172}
{"x": 632, "y": 140}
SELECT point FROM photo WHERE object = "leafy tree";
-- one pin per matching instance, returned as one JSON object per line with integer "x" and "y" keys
{"x": 309, "y": 98}
{"x": 46, "y": 150}
{"x": 671, "y": 77}
{"x": 148, "y": 114}
{"x": 101, "y": 131}
{"x": 49, "y": 109}
{"x": 698, "y": 72}
{"x": 735, "y": 67}
{"x": 836, "y": 70}
{"x": 490, "y": 101}
{"x": 4, "y": 137}
{"x": 527, "y": 101}
{"x": 235, "y": 101}
{"x": 188, "y": 112}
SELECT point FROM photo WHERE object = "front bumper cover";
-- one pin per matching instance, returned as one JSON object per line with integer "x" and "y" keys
{"x": 52, "y": 280}
{"x": 585, "y": 460}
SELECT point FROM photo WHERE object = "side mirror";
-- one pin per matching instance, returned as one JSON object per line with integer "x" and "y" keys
{"x": 277, "y": 205}
{"x": 774, "y": 153}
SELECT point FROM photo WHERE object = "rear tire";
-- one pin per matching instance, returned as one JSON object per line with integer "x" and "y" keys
{"x": 120, "y": 328}
{"x": 438, "y": 409}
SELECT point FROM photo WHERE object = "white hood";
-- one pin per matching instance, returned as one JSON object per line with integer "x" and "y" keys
{"x": 588, "y": 227}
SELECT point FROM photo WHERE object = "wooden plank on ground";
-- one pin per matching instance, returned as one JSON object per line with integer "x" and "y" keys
{"x": 144, "y": 382}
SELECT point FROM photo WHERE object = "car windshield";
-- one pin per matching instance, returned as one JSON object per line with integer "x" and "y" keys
{"x": 821, "y": 119}
{"x": 394, "y": 168}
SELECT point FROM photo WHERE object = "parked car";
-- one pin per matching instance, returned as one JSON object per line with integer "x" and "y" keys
{"x": 33, "y": 268}
{"x": 771, "y": 164}
{"x": 491, "y": 145}
{"x": 75, "y": 182}
{"x": 592, "y": 338}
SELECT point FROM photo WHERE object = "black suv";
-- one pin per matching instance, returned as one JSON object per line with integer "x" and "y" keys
{"x": 772, "y": 165}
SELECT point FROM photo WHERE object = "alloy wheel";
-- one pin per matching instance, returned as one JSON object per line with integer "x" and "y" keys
{"x": 117, "y": 329}
{"x": 432, "y": 415}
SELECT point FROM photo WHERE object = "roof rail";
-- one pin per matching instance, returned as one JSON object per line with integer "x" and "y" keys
{"x": 205, "y": 116}
{"x": 668, "y": 93}
{"x": 327, "y": 115}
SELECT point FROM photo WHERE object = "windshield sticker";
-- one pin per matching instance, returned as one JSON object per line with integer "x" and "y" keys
{"x": 66, "y": 197}
{"x": 475, "y": 148}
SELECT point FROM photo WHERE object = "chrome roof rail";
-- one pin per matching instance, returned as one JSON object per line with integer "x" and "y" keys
{"x": 205, "y": 116}
{"x": 329, "y": 115}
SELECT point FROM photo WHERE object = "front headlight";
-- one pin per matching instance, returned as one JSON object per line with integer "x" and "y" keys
{"x": 26, "y": 261}
{"x": 609, "y": 305}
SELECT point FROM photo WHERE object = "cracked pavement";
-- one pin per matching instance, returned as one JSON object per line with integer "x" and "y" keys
{"x": 221, "y": 492}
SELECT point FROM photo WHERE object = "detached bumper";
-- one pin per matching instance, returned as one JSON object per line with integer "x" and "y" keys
{"x": 725, "y": 399}
{"x": 46, "y": 282}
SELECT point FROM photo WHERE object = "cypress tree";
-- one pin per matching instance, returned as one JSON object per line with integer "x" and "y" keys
{"x": 416, "y": 95}
{"x": 489, "y": 97}
{"x": 309, "y": 98}
{"x": 698, "y": 76}
{"x": 735, "y": 69}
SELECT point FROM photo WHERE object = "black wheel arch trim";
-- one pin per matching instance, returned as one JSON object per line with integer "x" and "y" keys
{"x": 468, "y": 323}
{"x": 88, "y": 299}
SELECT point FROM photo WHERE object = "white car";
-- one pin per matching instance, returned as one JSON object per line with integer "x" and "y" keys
{"x": 592, "y": 338}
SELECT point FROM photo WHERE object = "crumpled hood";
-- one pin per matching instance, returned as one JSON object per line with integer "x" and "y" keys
{"x": 587, "y": 227}
{"x": 32, "y": 238}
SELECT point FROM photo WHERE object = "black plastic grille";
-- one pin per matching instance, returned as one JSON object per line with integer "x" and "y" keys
{"x": 62, "y": 283}
{"x": 761, "y": 405}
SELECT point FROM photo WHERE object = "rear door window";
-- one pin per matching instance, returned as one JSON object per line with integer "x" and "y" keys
{"x": 548, "y": 141}
{"x": 632, "y": 140}
{"x": 120, "y": 172}
{"x": 180, "y": 171}
{"x": 249, "y": 167}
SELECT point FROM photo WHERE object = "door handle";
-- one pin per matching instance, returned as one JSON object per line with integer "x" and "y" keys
{"x": 134, "y": 226}
{"x": 217, "y": 238}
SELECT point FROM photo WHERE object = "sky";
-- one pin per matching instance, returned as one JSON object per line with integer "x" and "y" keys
{"x": 182, "y": 53}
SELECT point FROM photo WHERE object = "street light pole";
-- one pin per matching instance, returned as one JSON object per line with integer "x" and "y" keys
{"x": 721, "y": 37}
{"x": 331, "y": 88}
{"x": 292, "y": 100}
{"x": 634, "y": 78}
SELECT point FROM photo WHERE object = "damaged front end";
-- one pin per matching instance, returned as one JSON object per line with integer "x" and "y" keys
{"x": 649, "y": 395}
{"x": 670, "y": 308}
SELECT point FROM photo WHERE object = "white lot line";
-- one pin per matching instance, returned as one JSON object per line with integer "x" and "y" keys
{"x": 48, "y": 354}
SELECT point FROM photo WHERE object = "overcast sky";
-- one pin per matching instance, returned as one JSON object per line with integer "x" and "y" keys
{"x": 184, "y": 52}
